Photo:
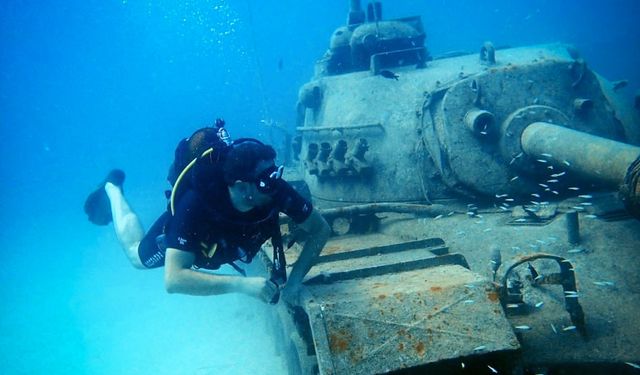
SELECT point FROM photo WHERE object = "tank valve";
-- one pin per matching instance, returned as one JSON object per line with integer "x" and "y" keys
{"x": 582, "y": 105}
{"x": 480, "y": 122}
{"x": 324, "y": 169}
{"x": 336, "y": 160}
{"x": 356, "y": 159}
{"x": 296, "y": 146}
{"x": 310, "y": 164}
{"x": 573, "y": 228}
{"x": 310, "y": 95}
{"x": 488, "y": 53}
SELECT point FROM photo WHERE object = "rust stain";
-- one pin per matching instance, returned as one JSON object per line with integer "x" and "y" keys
{"x": 398, "y": 295}
{"x": 331, "y": 249}
{"x": 339, "y": 341}
{"x": 420, "y": 348}
{"x": 400, "y": 346}
{"x": 493, "y": 296}
{"x": 382, "y": 296}
{"x": 436, "y": 288}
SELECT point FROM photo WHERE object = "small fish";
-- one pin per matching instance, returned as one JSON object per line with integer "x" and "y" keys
{"x": 553, "y": 327}
{"x": 575, "y": 188}
{"x": 503, "y": 208}
{"x": 535, "y": 195}
{"x": 482, "y": 132}
{"x": 541, "y": 161}
{"x": 523, "y": 328}
{"x": 501, "y": 195}
{"x": 544, "y": 186}
{"x": 590, "y": 216}
{"x": 515, "y": 248}
{"x": 479, "y": 348}
{"x": 552, "y": 181}
{"x": 512, "y": 306}
{"x": 558, "y": 174}
{"x": 462, "y": 364}
{"x": 544, "y": 203}
{"x": 389, "y": 74}
{"x": 585, "y": 196}
{"x": 468, "y": 301}
{"x": 547, "y": 155}
{"x": 617, "y": 85}
{"x": 586, "y": 204}
{"x": 451, "y": 213}
{"x": 521, "y": 220}
{"x": 555, "y": 192}
{"x": 634, "y": 365}
{"x": 604, "y": 283}
{"x": 576, "y": 250}
{"x": 492, "y": 369}
{"x": 514, "y": 178}
{"x": 438, "y": 217}
{"x": 566, "y": 163}
{"x": 578, "y": 208}
{"x": 539, "y": 304}
{"x": 569, "y": 328}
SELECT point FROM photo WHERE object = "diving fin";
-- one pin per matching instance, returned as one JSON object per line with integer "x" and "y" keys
{"x": 97, "y": 206}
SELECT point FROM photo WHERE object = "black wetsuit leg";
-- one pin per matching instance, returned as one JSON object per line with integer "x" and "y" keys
{"x": 152, "y": 248}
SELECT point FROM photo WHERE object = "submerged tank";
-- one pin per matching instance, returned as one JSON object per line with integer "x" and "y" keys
{"x": 484, "y": 210}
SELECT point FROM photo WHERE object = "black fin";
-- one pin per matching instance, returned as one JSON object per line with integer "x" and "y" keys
{"x": 97, "y": 206}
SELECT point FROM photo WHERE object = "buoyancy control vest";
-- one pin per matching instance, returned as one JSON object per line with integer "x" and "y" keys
{"x": 197, "y": 164}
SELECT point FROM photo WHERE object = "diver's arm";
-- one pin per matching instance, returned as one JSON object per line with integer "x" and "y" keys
{"x": 180, "y": 278}
{"x": 319, "y": 233}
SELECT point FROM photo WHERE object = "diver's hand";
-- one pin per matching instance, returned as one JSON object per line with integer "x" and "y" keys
{"x": 263, "y": 289}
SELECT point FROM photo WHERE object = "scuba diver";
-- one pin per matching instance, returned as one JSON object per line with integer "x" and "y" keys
{"x": 224, "y": 204}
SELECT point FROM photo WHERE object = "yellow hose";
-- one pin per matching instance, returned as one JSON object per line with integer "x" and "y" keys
{"x": 179, "y": 179}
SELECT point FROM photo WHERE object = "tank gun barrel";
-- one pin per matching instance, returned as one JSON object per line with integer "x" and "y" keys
{"x": 601, "y": 159}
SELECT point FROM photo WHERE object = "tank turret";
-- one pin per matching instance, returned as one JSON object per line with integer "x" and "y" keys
{"x": 482, "y": 208}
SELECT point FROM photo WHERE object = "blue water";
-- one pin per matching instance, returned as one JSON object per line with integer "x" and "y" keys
{"x": 86, "y": 85}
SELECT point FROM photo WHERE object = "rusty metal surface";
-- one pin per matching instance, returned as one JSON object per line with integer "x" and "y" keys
{"x": 406, "y": 319}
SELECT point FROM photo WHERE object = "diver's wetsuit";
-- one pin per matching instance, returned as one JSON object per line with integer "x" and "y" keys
{"x": 214, "y": 231}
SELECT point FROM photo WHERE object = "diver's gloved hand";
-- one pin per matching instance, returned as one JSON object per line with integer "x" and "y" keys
{"x": 270, "y": 292}
{"x": 261, "y": 288}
